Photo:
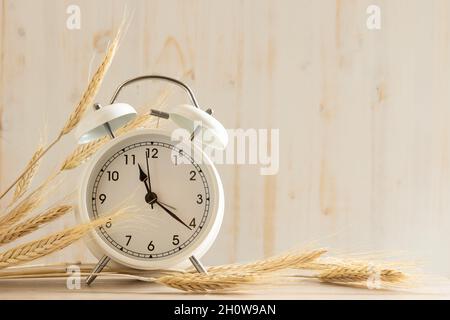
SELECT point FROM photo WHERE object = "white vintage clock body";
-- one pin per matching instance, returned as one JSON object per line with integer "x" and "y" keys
{"x": 179, "y": 217}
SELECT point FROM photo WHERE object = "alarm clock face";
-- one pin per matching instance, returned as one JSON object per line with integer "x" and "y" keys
{"x": 176, "y": 203}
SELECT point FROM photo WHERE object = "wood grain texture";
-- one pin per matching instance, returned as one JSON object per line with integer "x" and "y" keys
{"x": 363, "y": 115}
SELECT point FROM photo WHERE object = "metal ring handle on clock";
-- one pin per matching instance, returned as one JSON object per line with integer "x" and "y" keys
{"x": 156, "y": 77}
{"x": 185, "y": 116}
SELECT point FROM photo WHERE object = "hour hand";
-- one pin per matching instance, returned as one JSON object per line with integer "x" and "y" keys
{"x": 143, "y": 178}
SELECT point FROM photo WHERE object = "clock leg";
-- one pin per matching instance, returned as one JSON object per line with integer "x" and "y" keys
{"x": 97, "y": 269}
{"x": 97, "y": 106}
{"x": 197, "y": 265}
{"x": 198, "y": 128}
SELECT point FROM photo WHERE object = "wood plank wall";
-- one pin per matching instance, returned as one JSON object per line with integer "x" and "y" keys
{"x": 363, "y": 114}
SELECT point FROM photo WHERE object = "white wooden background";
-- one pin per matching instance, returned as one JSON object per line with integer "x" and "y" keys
{"x": 364, "y": 115}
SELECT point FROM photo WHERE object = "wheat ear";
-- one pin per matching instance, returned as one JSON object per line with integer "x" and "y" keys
{"x": 285, "y": 261}
{"x": 26, "y": 205}
{"x": 49, "y": 244}
{"x": 93, "y": 87}
{"x": 82, "y": 153}
{"x": 30, "y": 170}
{"x": 349, "y": 274}
{"x": 198, "y": 282}
{"x": 86, "y": 100}
{"x": 33, "y": 224}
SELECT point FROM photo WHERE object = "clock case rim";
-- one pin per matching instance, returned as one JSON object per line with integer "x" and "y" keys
{"x": 197, "y": 248}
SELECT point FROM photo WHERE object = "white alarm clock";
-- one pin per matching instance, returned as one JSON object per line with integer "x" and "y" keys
{"x": 177, "y": 197}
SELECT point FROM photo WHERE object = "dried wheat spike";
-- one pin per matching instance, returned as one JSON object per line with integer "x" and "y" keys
{"x": 30, "y": 171}
{"x": 360, "y": 273}
{"x": 93, "y": 87}
{"x": 82, "y": 153}
{"x": 33, "y": 224}
{"x": 28, "y": 204}
{"x": 47, "y": 245}
{"x": 200, "y": 282}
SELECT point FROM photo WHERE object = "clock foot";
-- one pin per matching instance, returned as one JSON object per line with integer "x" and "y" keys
{"x": 197, "y": 265}
{"x": 97, "y": 269}
{"x": 97, "y": 106}
{"x": 198, "y": 128}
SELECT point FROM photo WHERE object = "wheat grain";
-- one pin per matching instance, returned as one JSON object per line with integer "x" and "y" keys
{"x": 49, "y": 244}
{"x": 33, "y": 224}
{"x": 30, "y": 170}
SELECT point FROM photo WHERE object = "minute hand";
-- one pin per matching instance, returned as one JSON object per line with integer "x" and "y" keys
{"x": 148, "y": 174}
{"x": 173, "y": 215}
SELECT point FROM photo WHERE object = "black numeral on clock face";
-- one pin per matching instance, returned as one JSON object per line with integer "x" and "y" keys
{"x": 192, "y": 224}
{"x": 151, "y": 246}
{"x": 113, "y": 175}
{"x": 102, "y": 198}
{"x": 175, "y": 240}
{"x": 153, "y": 153}
{"x": 128, "y": 239}
{"x": 199, "y": 199}
{"x": 130, "y": 159}
{"x": 193, "y": 174}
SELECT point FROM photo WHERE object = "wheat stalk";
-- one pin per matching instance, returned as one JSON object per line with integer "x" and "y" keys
{"x": 49, "y": 244}
{"x": 30, "y": 170}
{"x": 33, "y": 224}
{"x": 285, "y": 261}
{"x": 86, "y": 100}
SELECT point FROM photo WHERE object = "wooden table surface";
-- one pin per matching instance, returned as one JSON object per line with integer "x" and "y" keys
{"x": 126, "y": 289}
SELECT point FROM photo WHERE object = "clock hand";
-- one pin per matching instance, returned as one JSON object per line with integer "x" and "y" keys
{"x": 173, "y": 215}
{"x": 144, "y": 178}
{"x": 168, "y": 206}
{"x": 148, "y": 173}
{"x": 149, "y": 197}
